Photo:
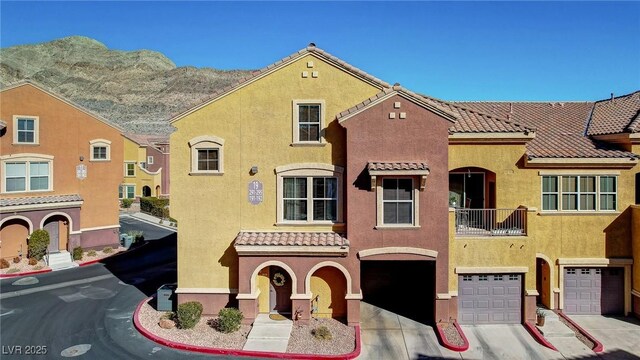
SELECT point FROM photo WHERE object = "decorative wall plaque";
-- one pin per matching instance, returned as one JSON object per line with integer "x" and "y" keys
{"x": 81, "y": 172}
{"x": 255, "y": 192}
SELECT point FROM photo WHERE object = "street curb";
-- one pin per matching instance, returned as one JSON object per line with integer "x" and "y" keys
{"x": 174, "y": 229}
{"x": 3, "y": 276}
{"x": 598, "y": 347}
{"x": 444, "y": 342}
{"x": 242, "y": 353}
{"x": 535, "y": 333}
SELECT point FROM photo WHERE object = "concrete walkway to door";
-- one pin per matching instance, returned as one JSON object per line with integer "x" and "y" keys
{"x": 269, "y": 335}
{"x": 620, "y": 336}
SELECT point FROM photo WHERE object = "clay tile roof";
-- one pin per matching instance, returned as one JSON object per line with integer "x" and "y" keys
{"x": 617, "y": 115}
{"x": 560, "y": 128}
{"x": 37, "y": 200}
{"x": 310, "y": 49}
{"x": 382, "y": 166}
{"x": 291, "y": 239}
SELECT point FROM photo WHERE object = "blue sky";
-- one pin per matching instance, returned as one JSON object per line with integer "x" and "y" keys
{"x": 452, "y": 50}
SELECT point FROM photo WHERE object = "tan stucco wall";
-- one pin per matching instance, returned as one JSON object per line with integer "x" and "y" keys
{"x": 596, "y": 235}
{"x": 256, "y": 125}
{"x": 263, "y": 286}
{"x": 635, "y": 210}
{"x": 133, "y": 152}
{"x": 328, "y": 287}
{"x": 13, "y": 235}
{"x": 65, "y": 133}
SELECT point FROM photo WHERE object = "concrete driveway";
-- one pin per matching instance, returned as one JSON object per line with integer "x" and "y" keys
{"x": 620, "y": 336}
{"x": 504, "y": 342}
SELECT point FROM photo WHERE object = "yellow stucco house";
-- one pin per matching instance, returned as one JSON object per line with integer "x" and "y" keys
{"x": 140, "y": 178}
{"x": 540, "y": 197}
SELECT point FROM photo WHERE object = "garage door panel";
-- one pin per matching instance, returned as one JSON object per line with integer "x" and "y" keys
{"x": 593, "y": 291}
{"x": 488, "y": 299}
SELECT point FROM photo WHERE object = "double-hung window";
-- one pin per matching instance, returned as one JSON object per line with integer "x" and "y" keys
{"x": 130, "y": 169}
{"x": 579, "y": 193}
{"x": 397, "y": 201}
{"x": 308, "y": 121}
{"x": 208, "y": 160}
{"x": 25, "y": 129}
{"x": 126, "y": 191}
{"x": 27, "y": 175}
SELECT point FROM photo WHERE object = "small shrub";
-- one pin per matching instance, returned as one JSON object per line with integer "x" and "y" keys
{"x": 77, "y": 253}
{"x": 169, "y": 315}
{"x": 107, "y": 250}
{"x": 174, "y": 221}
{"x": 38, "y": 243}
{"x": 229, "y": 320}
{"x": 321, "y": 333}
{"x": 4, "y": 264}
{"x": 11, "y": 271}
{"x": 39, "y": 267}
{"x": 33, "y": 261}
{"x": 16, "y": 260}
{"x": 126, "y": 203}
{"x": 188, "y": 314}
{"x": 137, "y": 235}
{"x": 92, "y": 253}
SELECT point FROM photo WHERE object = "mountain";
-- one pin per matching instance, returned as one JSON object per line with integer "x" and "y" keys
{"x": 138, "y": 90}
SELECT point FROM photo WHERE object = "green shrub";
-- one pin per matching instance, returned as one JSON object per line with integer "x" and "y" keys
{"x": 126, "y": 203}
{"x": 154, "y": 206}
{"x": 229, "y": 320}
{"x": 33, "y": 261}
{"x": 137, "y": 235}
{"x": 92, "y": 253}
{"x": 188, "y": 314}
{"x": 4, "y": 264}
{"x": 38, "y": 244}
{"x": 77, "y": 253}
{"x": 321, "y": 333}
{"x": 107, "y": 250}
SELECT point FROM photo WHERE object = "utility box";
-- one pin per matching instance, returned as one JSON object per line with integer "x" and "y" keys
{"x": 126, "y": 240}
{"x": 166, "y": 296}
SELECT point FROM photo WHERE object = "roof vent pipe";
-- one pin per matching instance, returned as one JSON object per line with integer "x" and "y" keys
{"x": 611, "y": 97}
{"x": 510, "y": 108}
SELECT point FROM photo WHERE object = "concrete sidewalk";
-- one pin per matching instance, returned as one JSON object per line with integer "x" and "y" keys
{"x": 150, "y": 219}
{"x": 504, "y": 342}
{"x": 269, "y": 335}
{"x": 563, "y": 338}
{"x": 620, "y": 336}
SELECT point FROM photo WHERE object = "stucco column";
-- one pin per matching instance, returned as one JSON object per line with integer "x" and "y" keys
{"x": 248, "y": 305}
{"x": 74, "y": 240}
{"x": 301, "y": 308}
{"x": 442, "y": 309}
{"x": 353, "y": 312}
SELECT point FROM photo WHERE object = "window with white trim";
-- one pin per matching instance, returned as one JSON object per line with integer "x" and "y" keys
{"x": 25, "y": 129}
{"x": 126, "y": 191}
{"x": 397, "y": 201}
{"x": 25, "y": 176}
{"x": 308, "y": 121}
{"x": 150, "y": 160}
{"x": 129, "y": 169}
{"x": 207, "y": 155}
{"x": 579, "y": 193}
{"x": 100, "y": 150}
{"x": 309, "y": 194}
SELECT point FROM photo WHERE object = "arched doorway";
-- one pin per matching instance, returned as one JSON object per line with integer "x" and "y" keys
{"x": 14, "y": 233}
{"x": 543, "y": 282}
{"x": 58, "y": 228}
{"x": 279, "y": 290}
{"x": 328, "y": 287}
{"x": 146, "y": 191}
{"x": 157, "y": 191}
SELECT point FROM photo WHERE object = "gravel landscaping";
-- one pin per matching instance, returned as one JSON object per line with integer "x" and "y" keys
{"x": 201, "y": 335}
{"x": 23, "y": 266}
{"x": 451, "y": 333}
{"x": 585, "y": 340}
{"x": 99, "y": 254}
{"x": 302, "y": 340}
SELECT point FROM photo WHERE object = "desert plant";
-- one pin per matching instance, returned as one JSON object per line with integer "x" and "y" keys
{"x": 126, "y": 203}
{"x": 38, "y": 243}
{"x": 33, "y": 261}
{"x": 321, "y": 333}
{"x": 92, "y": 253}
{"x": 137, "y": 235}
{"x": 39, "y": 267}
{"x": 229, "y": 320}
{"x": 188, "y": 314}
{"x": 16, "y": 260}
{"x": 107, "y": 250}
{"x": 77, "y": 253}
{"x": 4, "y": 264}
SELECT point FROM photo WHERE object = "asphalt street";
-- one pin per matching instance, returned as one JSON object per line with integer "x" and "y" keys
{"x": 86, "y": 312}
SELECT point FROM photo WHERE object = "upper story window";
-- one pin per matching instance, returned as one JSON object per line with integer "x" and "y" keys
{"x": 150, "y": 160}
{"x": 25, "y": 130}
{"x": 397, "y": 199}
{"x": 100, "y": 150}
{"x": 579, "y": 193}
{"x": 27, "y": 173}
{"x": 207, "y": 155}
{"x": 308, "y": 121}
{"x": 309, "y": 194}
{"x": 129, "y": 169}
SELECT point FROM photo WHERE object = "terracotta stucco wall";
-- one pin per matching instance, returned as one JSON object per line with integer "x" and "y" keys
{"x": 256, "y": 125}
{"x": 65, "y": 132}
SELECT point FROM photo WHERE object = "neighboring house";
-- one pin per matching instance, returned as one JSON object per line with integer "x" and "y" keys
{"x": 146, "y": 162}
{"x": 59, "y": 171}
{"x": 311, "y": 186}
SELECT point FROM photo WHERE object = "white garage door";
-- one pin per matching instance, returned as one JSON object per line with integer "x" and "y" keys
{"x": 593, "y": 291}
{"x": 490, "y": 299}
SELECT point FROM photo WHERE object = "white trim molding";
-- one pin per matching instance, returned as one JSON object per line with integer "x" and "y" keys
{"x": 19, "y": 217}
{"x": 292, "y": 250}
{"x": 295, "y": 115}
{"x": 36, "y": 129}
{"x": 345, "y": 272}
{"x": 551, "y": 277}
{"x": 49, "y": 206}
{"x": 60, "y": 213}
{"x": 206, "y": 142}
{"x": 531, "y": 292}
{"x": 595, "y": 262}
{"x": 492, "y": 270}
{"x": 397, "y": 250}
{"x": 581, "y": 162}
{"x": 100, "y": 143}
{"x": 292, "y": 274}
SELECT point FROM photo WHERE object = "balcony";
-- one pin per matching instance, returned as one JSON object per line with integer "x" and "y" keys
{"x": 491, "y": 222}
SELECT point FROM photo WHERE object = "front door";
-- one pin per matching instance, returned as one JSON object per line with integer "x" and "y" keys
{"x": 279, "y": 291}
{"x": 52, "y": 228}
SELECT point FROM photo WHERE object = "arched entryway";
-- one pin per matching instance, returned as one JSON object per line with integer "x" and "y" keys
{"x": 146, "y": 191}
{"x": 275, "y": 285}
{"x": 543, "y": 282}
{"x": 472, "y": 188}
{"x": 328, "y": 287}
{"x": 58, "y": 228}
{"x": 157, "y": 191}
{"x": 14, "y": 233}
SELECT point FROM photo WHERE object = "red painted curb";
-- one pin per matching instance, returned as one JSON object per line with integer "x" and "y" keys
{"x": 533, "y": 330}
{"x": 444, "y": 342}
{"x": 98, "y": 260}
{"x": 234, "y": 352}
{"x": 598, "y": 347}
{"x": 2, "y": 276}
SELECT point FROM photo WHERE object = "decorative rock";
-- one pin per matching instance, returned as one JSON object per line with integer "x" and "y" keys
{"x": 167, "y": 324}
